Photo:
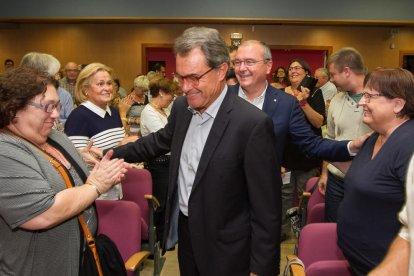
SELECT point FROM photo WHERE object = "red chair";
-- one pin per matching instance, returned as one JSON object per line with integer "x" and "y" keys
{"x": 316, "y": 197}
{"x": 118, "y": 220}
{"x": 311, "y": 207}
{"x": 319, "y": 252}
{"x": 316, "y": 213}
{"x": 137, "y": 187}
{"x": 137, "y": 184}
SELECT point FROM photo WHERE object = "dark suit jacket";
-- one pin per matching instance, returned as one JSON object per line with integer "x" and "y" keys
{"x": 289, "y": 124}
{"x": 235, "y": 203}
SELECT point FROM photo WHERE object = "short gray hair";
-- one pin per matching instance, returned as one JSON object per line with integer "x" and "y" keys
{"x": 323, "y": 71}
{"x": 41, "y": 61}
{"x": 348, "y": 57}
{"x": 267, "y": 54}
{"x": 142, "y": 82}
{"x": 208, "y": 40}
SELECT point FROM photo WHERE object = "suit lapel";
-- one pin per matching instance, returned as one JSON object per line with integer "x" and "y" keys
{"x": 217, "y": 130}
{"x": 271, "y": 101}
{"x": 181, "y": 126}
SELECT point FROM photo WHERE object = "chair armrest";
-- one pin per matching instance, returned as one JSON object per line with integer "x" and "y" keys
{"x": 305, "y": 195}
{"x": 296, "y": 269}
{"x": 133, "y": 263}
{"x": 153, "y": 200}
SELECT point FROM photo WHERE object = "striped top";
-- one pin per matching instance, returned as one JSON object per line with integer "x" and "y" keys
{"x": 88, "y": 121}
{"x": 104, "y": 127}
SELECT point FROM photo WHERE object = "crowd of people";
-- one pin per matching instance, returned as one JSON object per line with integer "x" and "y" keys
{"x": 217, "y": 155}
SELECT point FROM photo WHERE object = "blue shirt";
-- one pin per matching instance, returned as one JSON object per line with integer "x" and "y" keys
{"x": 66, "y": 102}
{"x": 193, "y": 146}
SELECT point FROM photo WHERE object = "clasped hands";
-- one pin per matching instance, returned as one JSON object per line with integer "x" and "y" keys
{"x": 106, "y": 171}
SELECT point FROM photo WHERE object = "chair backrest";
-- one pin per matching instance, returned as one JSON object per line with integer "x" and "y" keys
{"x": 311, "y": 182}
{"x": 315, "y": 198}
{"x": 317, "y": 242}
{"x": 316, "y": 213}
{"x": 118, "y": 220}
{"x": 136, "y": 184}
{"x": 329, "y": 268}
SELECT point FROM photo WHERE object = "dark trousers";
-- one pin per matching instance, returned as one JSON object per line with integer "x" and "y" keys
{"x": 186, "y": 258}
{"x": 333, "y": 197}
{"x": 159, "y": 171}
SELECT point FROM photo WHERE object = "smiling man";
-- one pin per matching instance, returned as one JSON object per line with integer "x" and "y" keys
{"x": 252, "y": 65}
{"x": 223, "y": 201}
{"x": 344, "y": 120}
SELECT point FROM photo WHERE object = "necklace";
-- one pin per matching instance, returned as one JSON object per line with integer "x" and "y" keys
{"x": 159, "y": 110}
{"x": 56, "y": 154}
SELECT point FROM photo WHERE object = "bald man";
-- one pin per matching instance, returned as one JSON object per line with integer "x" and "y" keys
{"x": 69, "y": 81}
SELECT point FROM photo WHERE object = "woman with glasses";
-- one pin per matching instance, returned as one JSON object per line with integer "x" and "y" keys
{"x": 39, "y": 229}
{"x": 300, "y": 165}
{"x": 94, "y": 119}
{"x": 375, "y": 181}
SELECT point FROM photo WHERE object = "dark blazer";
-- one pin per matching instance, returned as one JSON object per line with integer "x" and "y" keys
{"x": 289, "y": 124}
{"x": 235, "y": 203}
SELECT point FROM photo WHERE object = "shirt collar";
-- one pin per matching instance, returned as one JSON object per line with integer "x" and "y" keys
{"x": 243, "y": 95}
{"x": 212, "y": 110}
{"x": 96, "y": 109}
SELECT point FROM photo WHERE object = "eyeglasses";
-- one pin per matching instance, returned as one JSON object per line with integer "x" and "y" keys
{"x": 48, "y": 108}
{"x": 191, "y": 79}
{"x": 247, "y": 62}
{"x": 296, "y": 68}
{"x": 368, "y": 96}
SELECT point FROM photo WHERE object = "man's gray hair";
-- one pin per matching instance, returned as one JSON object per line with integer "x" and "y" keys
{"x": 324, "y": 72}
{"x": 41, "y": 61}
{"x": 348, "y": 57}
{"x": 267, "y": 54}
{"x": 208, "y": 40}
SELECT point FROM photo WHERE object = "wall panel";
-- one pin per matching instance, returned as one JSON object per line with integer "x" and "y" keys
{"x": 119, "y": 45}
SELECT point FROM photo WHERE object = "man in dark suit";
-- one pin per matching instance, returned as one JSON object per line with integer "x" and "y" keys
{"x": 252, "y": 65}
{"x": 224, "y": 181}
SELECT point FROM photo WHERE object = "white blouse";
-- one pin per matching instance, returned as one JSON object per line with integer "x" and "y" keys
{"x": 152, "y": 120}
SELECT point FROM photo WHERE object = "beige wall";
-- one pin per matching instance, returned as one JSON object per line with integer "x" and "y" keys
{"x": 119, "y": 45}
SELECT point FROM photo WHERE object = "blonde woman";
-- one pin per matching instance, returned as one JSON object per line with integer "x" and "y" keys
{"x": 131, "y": 106}
{"x": 94, "y": 119}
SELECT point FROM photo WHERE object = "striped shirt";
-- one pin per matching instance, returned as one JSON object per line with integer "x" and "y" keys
{"x": 88, "y": 121}
{"x": 104, "y": 127}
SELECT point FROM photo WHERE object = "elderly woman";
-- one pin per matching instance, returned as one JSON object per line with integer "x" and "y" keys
{"x": 375, "y": 181}
{"x": 300, "y": 165}
{"x": 153, "y": 118}
{"x": 94, "y": 119}
{"x": 39, "y": 229}
{"x": 131, "y": 106}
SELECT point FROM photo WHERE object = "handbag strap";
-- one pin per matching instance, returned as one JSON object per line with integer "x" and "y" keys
{"x": 59, "y": 167}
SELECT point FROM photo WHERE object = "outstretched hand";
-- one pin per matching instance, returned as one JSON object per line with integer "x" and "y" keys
{"x": 108, "y": 172}
{"x": 88, "y": 156}
{"x": 356, "y": 144}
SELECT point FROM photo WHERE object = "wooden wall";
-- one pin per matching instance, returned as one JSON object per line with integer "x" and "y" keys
{"x": 119, "y": 45}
